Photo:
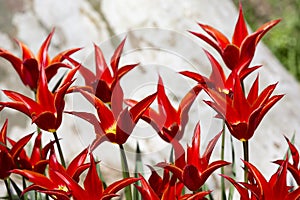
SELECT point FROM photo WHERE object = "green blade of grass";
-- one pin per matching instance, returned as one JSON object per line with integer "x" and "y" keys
{"x": 125, "y": 172}
{"x": 138, "y": 170}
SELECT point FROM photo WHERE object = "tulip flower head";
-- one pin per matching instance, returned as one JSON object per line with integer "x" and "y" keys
{"x": 238, "y": 53}
{"x": 29, "y": 66}
{"x": 115, "y": 124}
{"x": 191, "y": 168}
{"x": 46, "y": 111}
{"x": 102, "y": 83}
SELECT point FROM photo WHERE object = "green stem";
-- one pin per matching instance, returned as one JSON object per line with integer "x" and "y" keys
{"x": 246, "y": 158}
{"x": 8, "y": 189}
{"x": 222, "y": 168}
{"x": 61, "y": 155}
{"x": 125, "y": 172}
{"x": 233, "y": 171}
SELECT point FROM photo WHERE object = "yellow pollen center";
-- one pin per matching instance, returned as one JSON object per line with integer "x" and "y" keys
{"x": 225, "y": 91}
{"x": 63, "y": 188}
{"x": 51, "y": 130}
{"x": 112, "y": 129}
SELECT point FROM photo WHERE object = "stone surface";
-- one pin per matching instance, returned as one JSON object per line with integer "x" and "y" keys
{"x": 157, "y": 37}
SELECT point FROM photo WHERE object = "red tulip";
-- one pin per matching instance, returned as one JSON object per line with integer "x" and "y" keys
{"x": 169, "y": 122}
{"x": 103, "y": 82}
{"x": 115, "y": 124}
{"x": 55, "y": 185}
{"x": 8, "y": 156}
{"x": 260, "y": 188}
{"x": 217, "y": 79}
{"x": 294, "y": 167}
{"x": 170, "y": 190}
{"x": 190, "y": 168}
{"x": 38, "y": 159}
{"x": 46, "y": 112}
{"x": 28, "y": 67}
{"x": 238, "y": 53}
{"x": 243, "y": 115}
{"x": 93, "y": 186}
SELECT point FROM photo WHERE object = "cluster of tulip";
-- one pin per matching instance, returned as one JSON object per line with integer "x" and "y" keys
{"x": 185, "y": 176}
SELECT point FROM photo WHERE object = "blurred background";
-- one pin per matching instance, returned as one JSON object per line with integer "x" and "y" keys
{"x": 285, "y": 46}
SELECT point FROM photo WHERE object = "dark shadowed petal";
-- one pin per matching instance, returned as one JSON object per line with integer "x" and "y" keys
{"x": 191, "y": 177}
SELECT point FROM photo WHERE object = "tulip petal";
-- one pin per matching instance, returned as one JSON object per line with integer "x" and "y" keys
{"x": 88, "y": 75}
{"x": 240, "y": 31}
{"x": 36, "y": 151}
{"x": 247, "y": 50}
{"x": 125, "y": 69}
{"x": 138, "y": 109}
{"x": 118, "y": 185}
{"x": 210, "y": 147}
{"x": 266, "y": 27}
{"x": 3, "y": 133}
{"x": 150, "y": 115}
{"x": 242, "y": 191}
{"x": 102, "y": 70}
{"x": 219, "y": 37}
{"x": 260, "y": 180}
{"x": 211, "y": 168}
{"x": 125, "y": 125}
{"x": 77, "y": 162}
{"x": 117, "y": 97}
{"x": 194, "y": 151}
{"x": 64, "y": 55}
{"x": 16, "y": 149}
{"x": 36, "y": 178}
{"x": 92, "y": 183}
{"x": 191, "y": 177}
{"x": 164, "y": 105}
{"x": 231, "y": 56}
{"x": 114, "y": 62}
{"x": 91, "y": 118}
{"x": 195, "y": 76}
{"x": 105, "y": 114}
{"x": 186, "y": 103}
{"x": 42, "y": 55}
{"x": 177, "y": 171}
{"x": 146, "y": 191}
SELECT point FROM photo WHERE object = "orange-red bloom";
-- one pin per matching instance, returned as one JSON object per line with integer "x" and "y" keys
{"x": 191, "y": 168}
{"x": 217, "y": 80}
{"x": 93, "y": 186}
{"x": 238, "y": 53}
{"x": 46, "y": 112}
{"x": 260, "y": 188}
{"x": 8, "y": 156}
{"x": 169, "y": 189}
{"x": 168, "y": 122}
{"x": 28, "y": 67}
{"x": 243, "y": 115}
{"x": 115, "y": 124}
{"x": 56, "y": 185}
{"x": 38, "y": 160}
{"x": 294, "y": 167}
{"x": 102, "y": 83}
